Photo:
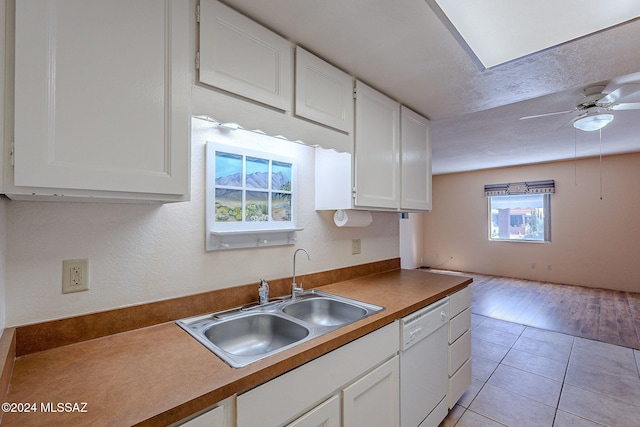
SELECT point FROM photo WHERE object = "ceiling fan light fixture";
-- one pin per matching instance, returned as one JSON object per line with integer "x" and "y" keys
{"x": 593, "y": 121}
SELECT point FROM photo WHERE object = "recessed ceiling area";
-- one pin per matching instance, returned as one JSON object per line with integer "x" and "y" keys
{"x": 499, "y": 31}
{"x": 404, "y": 49}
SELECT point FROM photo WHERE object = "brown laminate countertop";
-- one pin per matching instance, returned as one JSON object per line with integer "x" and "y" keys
{"x": 159, "y": 374}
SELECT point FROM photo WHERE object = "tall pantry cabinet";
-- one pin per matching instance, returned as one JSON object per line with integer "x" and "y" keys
{"x": 102, "y": 97}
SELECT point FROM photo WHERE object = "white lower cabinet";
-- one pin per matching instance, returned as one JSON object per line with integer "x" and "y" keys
{"x": 355, "y": 385}
{"x": 364, "y": 370}
{"x": 374, "y": 400}
{"x": 327, "y": 414}
{"x": 220, "y": 415}
{"x": 459, "y": 344}
{"x": 212, "y": 418}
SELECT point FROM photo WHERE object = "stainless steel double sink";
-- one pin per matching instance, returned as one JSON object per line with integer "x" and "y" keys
{"x": 244, "y": 335}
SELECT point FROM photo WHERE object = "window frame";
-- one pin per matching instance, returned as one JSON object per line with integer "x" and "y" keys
{"x": 243, "y": 234}
{"x": 546, "y": 206}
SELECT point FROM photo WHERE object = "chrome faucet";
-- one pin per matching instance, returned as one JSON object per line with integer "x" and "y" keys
{"x": 294, "y": 287}
{"x": 263, "y": 291}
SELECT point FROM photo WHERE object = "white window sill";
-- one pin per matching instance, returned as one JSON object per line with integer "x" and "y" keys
{"x": 236, "y": 239}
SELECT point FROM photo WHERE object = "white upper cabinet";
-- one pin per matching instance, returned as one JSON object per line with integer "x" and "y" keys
{"x": 324, "y": 93}
{"x": 240, "y": 56}
{"x": 102, "y": 99}
{"x": 415, "y": 161}
{"x": 377, "y": 149}
{"x": 391, "y": 161}
{"x": 3, "y": 73}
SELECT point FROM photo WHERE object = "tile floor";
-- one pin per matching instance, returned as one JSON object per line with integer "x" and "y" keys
{"x": 523, "y": 376}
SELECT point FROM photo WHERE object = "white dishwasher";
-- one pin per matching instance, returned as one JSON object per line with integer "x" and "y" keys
{"x": 424, "y": 366}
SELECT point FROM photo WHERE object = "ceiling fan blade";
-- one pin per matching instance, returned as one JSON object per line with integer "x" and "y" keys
{"x": 620, "y": 93}
{"x": 626, "y": 106}
{"x": 573, "y": 119}
{"x": 548, "y": 114}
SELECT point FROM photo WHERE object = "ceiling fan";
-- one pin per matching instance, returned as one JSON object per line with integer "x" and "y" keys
{"x": 596, "y": 105}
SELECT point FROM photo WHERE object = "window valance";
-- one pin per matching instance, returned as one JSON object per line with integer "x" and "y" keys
{"x": 529, "y": 187}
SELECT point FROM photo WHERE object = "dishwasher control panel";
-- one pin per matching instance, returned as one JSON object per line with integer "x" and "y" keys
{"x": 424, "y": 322}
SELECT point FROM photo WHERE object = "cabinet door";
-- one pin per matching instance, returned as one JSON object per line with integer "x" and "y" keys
{"x": 241, "y": 56}
{"x": 102, "y": 95}
{"x": 377, "y": 149}
{"x": 415, "y": 161}
{"x": 288, "y": 396}
{"x": 324, "y": 93}
{"x": 459, "y": 301}
{"x": 326, "y": 414}
{"x": 374, "y": 400}
{"x": 213, "y": 418}
{"x": 3, "y": 41}
{"x": 459, "y": 383}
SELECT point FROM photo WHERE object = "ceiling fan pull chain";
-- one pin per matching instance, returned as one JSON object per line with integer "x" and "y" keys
{"x": 575, "y": 157}
{"x": 600, "y": 132}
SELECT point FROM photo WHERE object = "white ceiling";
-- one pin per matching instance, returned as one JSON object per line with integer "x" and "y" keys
{"x": 499, "y": 31}
{"x": 403, "y": 49}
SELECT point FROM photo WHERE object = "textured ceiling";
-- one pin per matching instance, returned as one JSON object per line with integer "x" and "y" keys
{"x": 403, "y": 49}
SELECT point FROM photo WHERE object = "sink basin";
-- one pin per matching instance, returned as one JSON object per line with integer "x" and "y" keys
{"x": 255, "y": 334}
{"x": 247, "y": 334}
{"x": 325, "y": 311}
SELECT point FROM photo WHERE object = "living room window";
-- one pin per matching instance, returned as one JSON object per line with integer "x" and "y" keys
{"x": 520, "y": 212}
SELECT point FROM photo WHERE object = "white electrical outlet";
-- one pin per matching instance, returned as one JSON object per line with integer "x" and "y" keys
{"x": 75, "y": 275}
{"x": 356, "y": 246}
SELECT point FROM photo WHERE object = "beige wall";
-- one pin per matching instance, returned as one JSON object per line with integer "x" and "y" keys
{"x": 594, "y": 243}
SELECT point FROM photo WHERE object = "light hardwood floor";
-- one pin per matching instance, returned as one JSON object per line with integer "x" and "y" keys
{"x": 598, "y": 314}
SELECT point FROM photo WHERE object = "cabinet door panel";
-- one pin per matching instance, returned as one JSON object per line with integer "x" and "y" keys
{"x": 323, "y": 93}
{"x": 374, "y": 399}
{"x": 326, "y": 414}
{"x": 213, "y": 418}
{"x": 459, "y": 324}
{"x": 287, "y": 396}
{"x": 101, "y": 95}
{"x": 459, "y": 352}
{"x": 377, "y": 149}
{"x": 3, "y": 43}
{"x": 459, "y": 383}
{"x": 459, "y": 301}
{"x": 241, "y": 56}
{"x": 415, "y": 161}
